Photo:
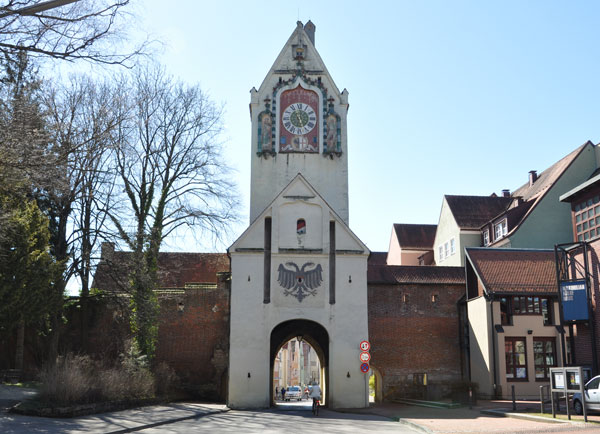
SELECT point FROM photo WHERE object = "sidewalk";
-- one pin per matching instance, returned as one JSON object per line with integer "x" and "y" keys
{"x": 116, "y": 422}
{"x": 487, "y": 416}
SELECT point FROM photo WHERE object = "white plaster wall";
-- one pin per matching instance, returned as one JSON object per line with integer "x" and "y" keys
{"x": 480, "y": 345}
{"x": 252, "y": 322}
{"x": 446, "y": 229}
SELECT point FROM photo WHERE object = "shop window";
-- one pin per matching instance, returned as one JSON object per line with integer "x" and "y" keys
{"x": 516, "y": 359}
{"x": 544, "y": 354}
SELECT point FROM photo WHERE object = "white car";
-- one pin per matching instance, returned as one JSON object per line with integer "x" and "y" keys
{"x": 293, "y": 392}
{"x": 592, "y": 396}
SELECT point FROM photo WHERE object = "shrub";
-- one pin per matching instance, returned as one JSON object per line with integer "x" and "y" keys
{"x": 77, "y": 379}
{"x": 167, "y": 381}
{"x": 68, "y": 380}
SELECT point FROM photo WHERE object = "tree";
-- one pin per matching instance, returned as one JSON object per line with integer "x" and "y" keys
{"x": 80, "y": 121}
{"x": 28, "y": 271}
{"x": 171, "y": 172}
{"x": 71, "y": 30}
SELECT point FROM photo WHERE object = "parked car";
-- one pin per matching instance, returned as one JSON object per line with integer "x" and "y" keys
{"x": 592, "y": 396}
{"x": 293, "y": 392}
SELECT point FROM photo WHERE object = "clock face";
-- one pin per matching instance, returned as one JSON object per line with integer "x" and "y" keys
{"x": 299, "y": 118}
{"x": 299, "y": 121}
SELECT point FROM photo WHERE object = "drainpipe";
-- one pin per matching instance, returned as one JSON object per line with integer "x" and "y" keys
{"x": 494, "y": 337}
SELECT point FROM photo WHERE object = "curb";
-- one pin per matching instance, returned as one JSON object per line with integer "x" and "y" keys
{"x": 168, "y": 421}
{"x": 524, "y": 416}
{"x": 413, "y": 425}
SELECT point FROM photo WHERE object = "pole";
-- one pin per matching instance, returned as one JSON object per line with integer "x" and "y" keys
{"x": 512, "y": 387}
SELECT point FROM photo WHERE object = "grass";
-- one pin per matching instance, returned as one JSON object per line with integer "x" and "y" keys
{"x": 25, "y": 384}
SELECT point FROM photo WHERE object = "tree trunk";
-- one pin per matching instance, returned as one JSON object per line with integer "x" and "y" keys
{"x": 20, "y": 350}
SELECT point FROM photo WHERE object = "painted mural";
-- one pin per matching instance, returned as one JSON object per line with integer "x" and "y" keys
{"x": 300, "y": 282}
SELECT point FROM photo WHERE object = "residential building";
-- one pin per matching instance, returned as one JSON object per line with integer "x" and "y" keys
{"x": 411, "y": 244}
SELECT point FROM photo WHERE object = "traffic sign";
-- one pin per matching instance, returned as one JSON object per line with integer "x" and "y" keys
{"x": 365, "y": 356}
{"x": 365, "y": 346}
{"x": 364, "y": 367}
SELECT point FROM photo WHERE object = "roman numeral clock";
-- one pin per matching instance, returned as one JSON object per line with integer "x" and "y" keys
{"x": 299, "y": 121}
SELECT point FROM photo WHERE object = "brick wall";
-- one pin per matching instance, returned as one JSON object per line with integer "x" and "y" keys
{"x": 415, "y": 335}
{"x": 193, "y": 338}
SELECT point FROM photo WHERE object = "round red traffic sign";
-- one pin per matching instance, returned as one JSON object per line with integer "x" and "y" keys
{"x": 365, "y": 356}
{"x": 365, "y": 346}
{"x": 364, "y": 367}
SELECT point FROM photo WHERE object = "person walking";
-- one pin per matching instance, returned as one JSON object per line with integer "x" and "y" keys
{"x": 283, "y": 393}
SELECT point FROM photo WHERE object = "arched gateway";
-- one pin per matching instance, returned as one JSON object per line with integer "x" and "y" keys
{"x": 298, "y": 269}
{"x": 308, "y": 331}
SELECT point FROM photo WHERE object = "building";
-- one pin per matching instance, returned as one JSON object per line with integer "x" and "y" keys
{"x": 514, "y": 327}
{"x": 298, "y": 270}
{"x": 531, "y": 217}
{"x": 411, "y": 244}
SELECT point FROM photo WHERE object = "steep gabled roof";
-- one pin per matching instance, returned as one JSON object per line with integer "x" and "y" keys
{"x": 415, "y": 236}
{"x": 520, "y": 271}
{"x": 548, "y": 177}
{"x": 533, "y": 194}
{"x": 472, "y": 212}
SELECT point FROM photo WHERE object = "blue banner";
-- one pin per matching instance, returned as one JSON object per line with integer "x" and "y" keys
{"x": 573, "y": 296}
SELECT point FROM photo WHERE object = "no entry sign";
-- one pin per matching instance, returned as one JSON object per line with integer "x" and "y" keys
{"x": 364, "y": 367}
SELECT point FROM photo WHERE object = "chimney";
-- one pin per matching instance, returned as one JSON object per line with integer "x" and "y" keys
{"x": 505, "y": 193}
{"x": 107, "y": 250}
{"x": 532, "y": 177}
{"x": 310, "y": 28}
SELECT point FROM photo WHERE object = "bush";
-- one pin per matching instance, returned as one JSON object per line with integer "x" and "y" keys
{"x": 166, "y": 380}
{"x": 77, "y": 379}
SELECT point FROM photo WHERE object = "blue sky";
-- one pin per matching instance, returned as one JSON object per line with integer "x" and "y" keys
{"x": 461, "y": 97}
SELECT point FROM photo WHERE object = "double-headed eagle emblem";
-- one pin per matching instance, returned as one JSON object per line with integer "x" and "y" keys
{"x": 299, "y": 282}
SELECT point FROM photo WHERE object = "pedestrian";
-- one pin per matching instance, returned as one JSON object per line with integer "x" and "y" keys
{"x": 276, "y": 392}
{"x": 283, "y": 393}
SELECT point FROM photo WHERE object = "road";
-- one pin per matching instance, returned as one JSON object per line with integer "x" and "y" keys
{"x": 300, "y": 420}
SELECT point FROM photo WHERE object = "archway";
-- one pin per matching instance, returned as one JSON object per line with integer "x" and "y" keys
{"x": 310, "y": 332}
{"x": 376, "y": 383}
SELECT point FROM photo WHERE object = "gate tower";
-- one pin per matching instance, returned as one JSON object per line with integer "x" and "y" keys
{"x": 298, "y": 270}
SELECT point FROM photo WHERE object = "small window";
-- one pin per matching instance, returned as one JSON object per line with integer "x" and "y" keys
{"x": 486, "y": 237}
{"x": 405, "y": 298}
{"x": 500, "y": 229}
{"x": 441, "y": 253}
{"x": 434, "y": 298}
{"x": 446, "y": 249}
{"x": 452, "y": 247}
{"x": 300, "y": 227}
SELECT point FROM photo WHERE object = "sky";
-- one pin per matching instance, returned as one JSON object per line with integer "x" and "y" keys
{"x": 460, "y": 97}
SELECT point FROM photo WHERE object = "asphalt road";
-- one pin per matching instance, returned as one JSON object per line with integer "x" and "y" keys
{"x": 285, "y": 421}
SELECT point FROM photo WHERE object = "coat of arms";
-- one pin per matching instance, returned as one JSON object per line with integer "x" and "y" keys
{"x": 300, "y": 282}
